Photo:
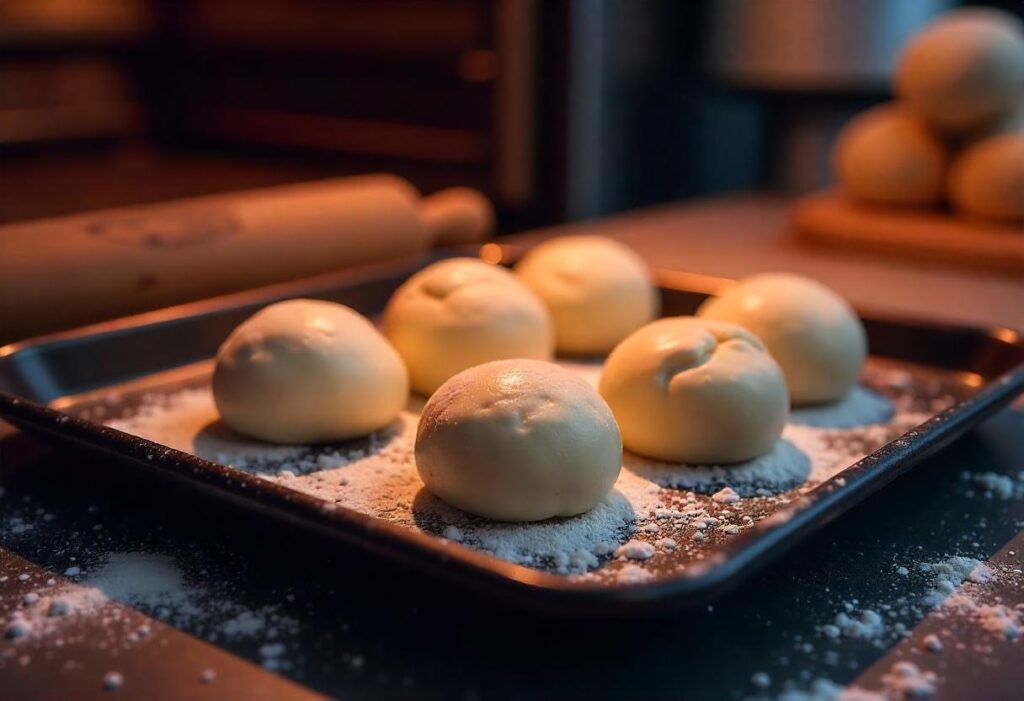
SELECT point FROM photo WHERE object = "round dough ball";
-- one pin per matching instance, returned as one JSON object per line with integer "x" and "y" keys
{"x": 987, "y": 179}
{"x": 518, "y": 440}
{"x": 812, "y": 332}
{"x": 694, "y": 390}
{"x": 306, "y": 371}
{"x": 964, "y": 70}
{"x": 597, "y": 290}
{"x": 886, "y": 156}
{"x": 462, "y": 312}
{"x": 1011, "y": 123}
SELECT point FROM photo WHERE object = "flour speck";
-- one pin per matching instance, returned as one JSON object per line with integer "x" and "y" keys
{"x": 113, "y": 681}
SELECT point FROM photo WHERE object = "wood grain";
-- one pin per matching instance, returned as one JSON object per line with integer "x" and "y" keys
{"x": 828, "y": 219}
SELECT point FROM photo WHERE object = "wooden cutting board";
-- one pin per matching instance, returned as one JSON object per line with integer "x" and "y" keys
{"x": 828, "y": 219}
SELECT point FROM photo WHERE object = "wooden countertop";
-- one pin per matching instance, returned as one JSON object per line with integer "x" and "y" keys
{"x": 739, "y": 235}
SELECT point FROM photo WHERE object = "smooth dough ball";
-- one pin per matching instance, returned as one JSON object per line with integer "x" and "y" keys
{"x": 987, "y": 179}
{"x": 597, "y": 290}
{"x": 518, "y": 440}
{"x": 964, "y": 70}
{"x": 694, "y": 390}
{"x": 887, "y": 156}
{"x": 1011, "y": 123}
{"x": 463, "y": 312}
{"x": 306, "y": 371}
{"x": 812, "y": 332}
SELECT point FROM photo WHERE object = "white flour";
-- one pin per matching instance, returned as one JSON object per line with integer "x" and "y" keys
{"x": 860, "y": 407}
{"x": 904, "y": 680}
{"x": 1001, "y": 620}
{"x": 155, "y": 585}
{"x": 782, "y": 469}
{"x": 949, "y": 574}
{"x": 868, "y": 625}
{"x": 653, "y": 503}
{"x": 954, "y": 588}
{"x": 827, "y": 690}
{"x": 993, "y": 485}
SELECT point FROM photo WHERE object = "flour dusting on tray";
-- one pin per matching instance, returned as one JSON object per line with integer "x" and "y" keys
{"x": 665, "y": 511}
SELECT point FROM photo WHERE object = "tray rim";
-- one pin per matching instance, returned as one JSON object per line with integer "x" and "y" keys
{"x": 700, "y": 581}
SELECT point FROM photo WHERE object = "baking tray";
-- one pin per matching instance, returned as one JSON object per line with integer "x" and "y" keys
{"x": 56, "y": 386}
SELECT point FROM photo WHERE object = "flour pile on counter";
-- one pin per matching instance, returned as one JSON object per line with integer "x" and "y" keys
{"x": 955, "y": 593}
{"x": 942, "y": 579}
{"x": 904, "y": 680}
{"x": 153, "y": 583}
{"x": 667, "y": 507}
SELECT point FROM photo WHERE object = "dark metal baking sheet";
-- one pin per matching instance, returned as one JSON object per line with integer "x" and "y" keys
{"x": 982, "y": 369}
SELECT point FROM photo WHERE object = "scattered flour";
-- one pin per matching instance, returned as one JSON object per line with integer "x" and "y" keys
{"x": 726, "y": 496}
{"x": 998, "y": 619}
{"x": 996, "y": 485}
{"x": 633, "y": 574}
{"x": 636, "y": 550}
{"x": 956, "y": 587}
{"x": 932, "y": 643}
{"x": 903, "y": 681}
{"x": 653, "y": 503}
{"x": 782, "y": 469}
{"x": 860, "y": 407}
{"x": 153, "y": 584}
{"x": 142, "y": 579}
{"x": 906, "y": 681}
{"x": 827, "y": 690}
{"x": 868, "y": 626}
{"x": 952, "y": 572}
{"x": 113, "y": 680}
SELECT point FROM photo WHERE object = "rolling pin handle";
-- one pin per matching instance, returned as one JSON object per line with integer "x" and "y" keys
{"x": 458, "y": 215}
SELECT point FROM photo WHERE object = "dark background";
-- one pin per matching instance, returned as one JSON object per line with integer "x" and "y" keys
{"x": 558, "y": 109}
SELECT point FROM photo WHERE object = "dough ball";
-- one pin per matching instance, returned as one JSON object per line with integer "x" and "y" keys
{"x": 964, "y": 70}
{"x": 597, "y": 290}
{"x": 305, "y": 371}
{"x": 1011, "y": 123}
{"x": 463, "y": 312}
{"x": 811, "y": 332}
{"x": 987, "y": 179}
{"x": 887, "y": 156}
{"x": 694, "y": 390}
{"x": 518, "y": 440}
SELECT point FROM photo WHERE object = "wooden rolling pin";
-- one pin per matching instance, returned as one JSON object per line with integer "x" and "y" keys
{"x": 65, "y": 272}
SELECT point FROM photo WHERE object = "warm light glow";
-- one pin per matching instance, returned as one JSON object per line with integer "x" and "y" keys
{"x": 972, "y": 379}
{"x": 1006, "y": 335}
{"x": 511, "y": 380}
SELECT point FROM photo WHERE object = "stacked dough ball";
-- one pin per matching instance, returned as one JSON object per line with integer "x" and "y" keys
{"x": 956, "y": 135}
